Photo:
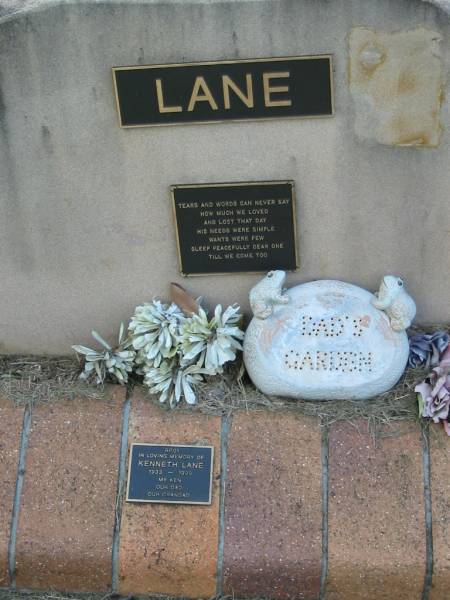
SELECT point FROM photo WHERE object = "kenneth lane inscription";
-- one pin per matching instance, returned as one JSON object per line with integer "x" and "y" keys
{"x": 170, "y": 473}
{"x": 239, "y": 90}
{"x": 235, "y": 227}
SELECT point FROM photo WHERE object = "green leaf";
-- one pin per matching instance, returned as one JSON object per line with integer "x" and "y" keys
{"x": 99, "y": 373}
{"x": 84, "y": 350}
{"x": 188, "y": 392}
{"x": 421, "y": 403}
{"x": 99, "y": 339}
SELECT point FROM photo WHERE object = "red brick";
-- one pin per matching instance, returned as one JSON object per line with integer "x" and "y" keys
{"x": 11, "y": 420}
{"x": 440, "y": 499}
{"x": 376, "y": 543}
{"x": 273, "y": 507}
{"x": 67, "y": 513}
{"x": 168, "y": 548}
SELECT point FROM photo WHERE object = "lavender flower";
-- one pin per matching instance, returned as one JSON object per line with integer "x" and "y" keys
{"x": 426, "y": 349}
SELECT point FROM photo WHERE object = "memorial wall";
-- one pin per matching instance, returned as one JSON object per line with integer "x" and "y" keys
{"x": 258, "y": 191}
{"x": 148, "y": 142}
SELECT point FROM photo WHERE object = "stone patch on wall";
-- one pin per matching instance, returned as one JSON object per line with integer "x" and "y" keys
{"x": 396, "y": 82}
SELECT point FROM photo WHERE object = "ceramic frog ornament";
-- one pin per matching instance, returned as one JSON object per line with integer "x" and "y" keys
{"x": 267, "y": 293}
{"x": 396, "y": 302}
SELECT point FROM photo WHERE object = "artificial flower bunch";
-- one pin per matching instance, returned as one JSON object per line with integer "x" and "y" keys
{"x": 426, "y": 349}
{"x": 172, "y": 350}
{"x": 433, "y": 393}
{"x": 432, "y": 350}
{"x": 175, "y": 352}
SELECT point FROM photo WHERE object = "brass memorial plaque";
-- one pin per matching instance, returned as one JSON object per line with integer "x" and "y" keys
{"x": 170, "y": 473}
{"x": 235, "y": 227}
{"x": 229, "y": 90}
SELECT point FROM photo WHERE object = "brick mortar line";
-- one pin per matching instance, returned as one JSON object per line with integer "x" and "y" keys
{"x": 26, "y": 426}
{"x": 120, "y": 489}
{"x": 224, "y": 432}
{"x": 428, "y": 513}
{"x": 324, "y": 560}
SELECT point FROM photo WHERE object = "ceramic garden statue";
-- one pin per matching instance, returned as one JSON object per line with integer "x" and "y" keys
{"x": 327, "y": 339}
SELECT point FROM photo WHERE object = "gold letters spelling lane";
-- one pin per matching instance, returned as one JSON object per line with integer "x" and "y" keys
{"x": 221, "y": 91}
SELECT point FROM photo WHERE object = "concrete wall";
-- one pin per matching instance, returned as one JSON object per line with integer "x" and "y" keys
{"x": 86, "y": 229}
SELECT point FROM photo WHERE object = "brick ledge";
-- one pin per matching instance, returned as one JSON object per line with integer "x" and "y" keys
{"x": 298, "y": 512}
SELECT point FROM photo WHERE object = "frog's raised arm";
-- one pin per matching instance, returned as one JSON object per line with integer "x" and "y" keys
{"x": 267, "y": 293}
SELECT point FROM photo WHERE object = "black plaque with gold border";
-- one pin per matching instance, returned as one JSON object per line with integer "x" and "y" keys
{"x": 241, "y": 227}
{"x": 170, "y": 473}
{"x": 229, "y": 90}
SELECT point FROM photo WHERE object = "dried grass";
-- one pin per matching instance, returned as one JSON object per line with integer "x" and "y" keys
{"x": 225, "y": 395}
{"x": 52, "y": 595}
{"x": 26, "y": 380}
{"x": 31, "y": 379}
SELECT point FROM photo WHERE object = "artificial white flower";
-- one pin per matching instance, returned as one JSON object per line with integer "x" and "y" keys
{"x": 154, "y": 330}
{"x": 212, "y": 342}
{"x": 117, "y": 362}
{"x": 172, "y": 381}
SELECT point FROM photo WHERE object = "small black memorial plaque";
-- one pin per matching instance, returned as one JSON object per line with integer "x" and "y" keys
{"x": 235, "y": 227}
{"x": 230, "y": 90}
{"x": 170, "y": 473}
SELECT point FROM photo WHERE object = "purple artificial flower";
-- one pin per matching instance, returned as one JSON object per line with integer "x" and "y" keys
{"x": 434, "y": 393}
{"x": 440, "y": 340}
{"x": 426, "y": 349}
{"x": 419, "y": 349}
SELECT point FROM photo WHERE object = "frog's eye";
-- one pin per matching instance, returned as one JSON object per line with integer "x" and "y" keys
{"x": 400, "y": 282}
{"x": 270, "y": 274}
